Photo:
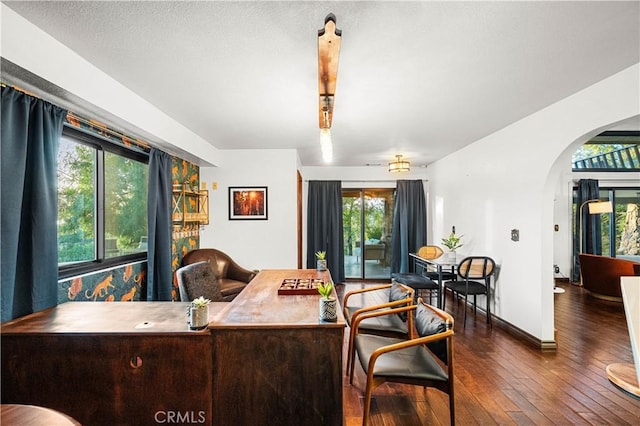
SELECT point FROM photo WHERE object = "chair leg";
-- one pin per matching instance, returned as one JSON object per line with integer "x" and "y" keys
{"x": 349, "y": 350}
{"x": 452, "y": 408}
{"x": 464, "y": 325}
{"x": 367, "y": 401}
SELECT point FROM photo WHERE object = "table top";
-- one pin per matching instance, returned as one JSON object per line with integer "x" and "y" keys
{"x": 440, "y": 261}
{"x": 109, "y": 317}
{"x": 260, "y": 305}
{"x": 27, "y": 415}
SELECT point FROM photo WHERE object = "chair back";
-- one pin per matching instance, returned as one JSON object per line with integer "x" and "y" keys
{"x": 430, "y": 252}
{"x": 476, "y": 268}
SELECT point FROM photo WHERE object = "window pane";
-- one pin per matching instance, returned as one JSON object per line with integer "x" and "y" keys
{"x": 627, "y": 238}
{"x": 125, "y": 205}
{"x": 76, "y": 202}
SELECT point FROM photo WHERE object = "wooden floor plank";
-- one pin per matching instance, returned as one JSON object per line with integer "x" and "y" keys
{"x": 501, "y": 379}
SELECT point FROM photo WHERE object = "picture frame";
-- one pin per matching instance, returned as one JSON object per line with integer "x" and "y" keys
{"x": 248, "y": 203}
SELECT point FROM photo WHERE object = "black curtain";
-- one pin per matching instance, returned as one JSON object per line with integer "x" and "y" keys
{"x": 31, "y": 130}
{"x": 591, "y": 225}
{"x": 159, "y": 273}
{"x": 409, "y": 223}
{"x": 324, "y": 226}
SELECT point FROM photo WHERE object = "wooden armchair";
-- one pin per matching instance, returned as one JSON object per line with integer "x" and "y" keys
{"x": 372, "y": 299}
{"x": 426, "y": 359}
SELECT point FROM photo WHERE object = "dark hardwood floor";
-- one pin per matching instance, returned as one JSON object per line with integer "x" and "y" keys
{"x": 501, "y": 379}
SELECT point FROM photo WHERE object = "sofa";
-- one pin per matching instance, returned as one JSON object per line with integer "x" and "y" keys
{"x": 231, "y": 278}
{"x": 601, "y": 275}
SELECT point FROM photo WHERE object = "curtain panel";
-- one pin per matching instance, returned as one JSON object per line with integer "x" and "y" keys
{"x": 159, "y": 208}
{"x": 324, "y": 226}
{"x": 30, "y": 136}
{"x": 591, "y": 224}
{"x": 409, "y": 231}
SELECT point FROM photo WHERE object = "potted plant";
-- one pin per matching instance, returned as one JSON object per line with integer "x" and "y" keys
{"x": 321, "y": 260}
{"x": 452, "y": 242}
{"x": 328, "y": 304}
{"x": 199, "y": 313}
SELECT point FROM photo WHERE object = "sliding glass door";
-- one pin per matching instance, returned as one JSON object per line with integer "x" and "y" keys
{"x": 367, "y": 223}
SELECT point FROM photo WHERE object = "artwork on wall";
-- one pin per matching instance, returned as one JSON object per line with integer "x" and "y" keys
{"x": 247, "y": 203}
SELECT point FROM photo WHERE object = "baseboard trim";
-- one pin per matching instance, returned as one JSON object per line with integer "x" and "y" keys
{"x": 543, "y": 345}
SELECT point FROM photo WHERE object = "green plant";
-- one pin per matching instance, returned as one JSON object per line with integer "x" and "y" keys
{"x": 200, "y": 302}
{"x": 321, "y": 255}
{"x": 452, "y": 242}
{"x": 325, "y": 289}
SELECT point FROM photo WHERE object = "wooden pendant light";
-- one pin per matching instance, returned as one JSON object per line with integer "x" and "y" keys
{"x": 328, "y": 55}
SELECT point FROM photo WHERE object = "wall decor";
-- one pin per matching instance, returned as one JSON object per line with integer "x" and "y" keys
{"x": 247, "y": 203}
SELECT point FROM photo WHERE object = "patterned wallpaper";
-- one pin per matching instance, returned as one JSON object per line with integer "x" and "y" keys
{"x": 127, "y": 282}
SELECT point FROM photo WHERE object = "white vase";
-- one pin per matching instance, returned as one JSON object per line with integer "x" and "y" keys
{"x": 328, "y": 309}
{"x": 198, "y": 317}
{"x": 451, "y": 256}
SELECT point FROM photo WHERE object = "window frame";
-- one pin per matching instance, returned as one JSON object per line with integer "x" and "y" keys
{"x": 101, "y": 145}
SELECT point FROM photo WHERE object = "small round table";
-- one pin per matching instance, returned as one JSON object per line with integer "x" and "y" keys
{"x": 27, "y": 415}
{"x": 624, "y": 376}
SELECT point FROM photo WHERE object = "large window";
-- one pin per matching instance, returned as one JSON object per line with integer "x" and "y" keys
{"x": 102, "y": 203}
{"x": 621, "y": 229}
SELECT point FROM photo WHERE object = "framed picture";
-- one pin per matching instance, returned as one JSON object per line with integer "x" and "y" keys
{"x": 247, "y": 203}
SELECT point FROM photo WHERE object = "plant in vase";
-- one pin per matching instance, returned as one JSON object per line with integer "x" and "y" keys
{"x": 199, "y": 313}
{"x": 452, "y": 242}
{"x": 328, "y": 304}
{"x": 321, "y": 260}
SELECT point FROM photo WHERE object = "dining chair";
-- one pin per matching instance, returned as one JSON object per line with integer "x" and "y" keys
{"x": 434, "y": 252}
{"x": 375, "y": 298}
{"x": 475, "y": 279}
{"x": 425, "y": 359}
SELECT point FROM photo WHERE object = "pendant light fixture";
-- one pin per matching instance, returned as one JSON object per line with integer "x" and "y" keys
{"x": 328, "y": 53}
{"x": 399, "y": 165}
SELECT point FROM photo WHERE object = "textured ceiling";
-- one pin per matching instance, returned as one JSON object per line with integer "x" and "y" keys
{"x": 420, "y": 79}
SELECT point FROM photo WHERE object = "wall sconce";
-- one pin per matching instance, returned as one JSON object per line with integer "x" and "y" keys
{"x": 399, "y": 165}
{"x": 595, "y": 207}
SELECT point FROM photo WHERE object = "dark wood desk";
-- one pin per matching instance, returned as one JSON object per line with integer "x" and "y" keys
{"x": 109, "y": 363}
{"x": 275, "y": 362}
{"x": 265, "y": 359}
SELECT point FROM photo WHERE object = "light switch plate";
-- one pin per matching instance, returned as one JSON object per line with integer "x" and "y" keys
{"x": 515, "y": 235}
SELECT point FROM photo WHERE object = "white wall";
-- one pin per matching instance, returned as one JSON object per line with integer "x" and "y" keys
{"x": 508, "y": 180}
{"x": 254, "y": 244}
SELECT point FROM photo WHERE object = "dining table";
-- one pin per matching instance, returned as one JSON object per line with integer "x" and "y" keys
{"x": 440, "y": 265}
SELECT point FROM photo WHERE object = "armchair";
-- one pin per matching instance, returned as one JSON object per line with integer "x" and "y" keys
{"x": 231, "y": 277}
{"x": 426, "y": 359}
{"x": 372, "y": 299}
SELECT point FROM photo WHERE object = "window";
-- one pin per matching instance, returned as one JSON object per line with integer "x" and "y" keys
{"x": 620, "y": 230}
{"x": 609, "y": 151}
{"x": 102, "y": 203}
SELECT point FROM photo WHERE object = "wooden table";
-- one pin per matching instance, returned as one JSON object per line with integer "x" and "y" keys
{"x": 265, "y": 359}
{"x": 441, "y": 263}
{"x": 31, "y": 415}
{"x": 109, "y": 362}
{"x": 275, "y": 362}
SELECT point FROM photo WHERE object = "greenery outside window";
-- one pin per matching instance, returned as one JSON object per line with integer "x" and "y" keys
{"x": 102, "y": 203}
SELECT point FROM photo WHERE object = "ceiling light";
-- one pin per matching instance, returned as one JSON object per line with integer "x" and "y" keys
{"x": 326, "y": 145}
{"x": 399, "y": 165}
